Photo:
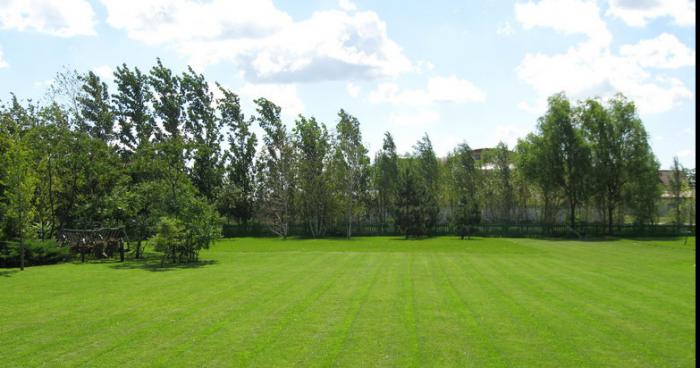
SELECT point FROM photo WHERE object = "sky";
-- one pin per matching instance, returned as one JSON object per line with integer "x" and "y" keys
{"x": 462, "y": 71}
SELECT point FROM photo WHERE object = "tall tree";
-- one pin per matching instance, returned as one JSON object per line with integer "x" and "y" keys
{"x": 503, "y": 182}
{"x": 97, "y": 118}
{"x": 312, "y": 144}
{"x": 427, "y": 165}
{"x": 409, "y": 212}
{"x": 131, "y": 105}
{"x": 641, "y": 187}
{"x": 386, "y": 177}
{"x": 463, "y": 181}
{"x": 677, "y": 187}
{"x": 204, "y": 130}
{"x": 275, "y": 169}
{"x": 571, "y": 154}
{"x": 237, "y": 197}
{"x": 167, "y": 100}
{"x": 537, "y": 164}
{"x": 20, "y": 183}
{"x": 352, "y": 165}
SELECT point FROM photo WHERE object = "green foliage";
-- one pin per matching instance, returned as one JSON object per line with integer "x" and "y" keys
{"x": 237, "y": 195}
{"x": 428, "y": 177}
{"x": 36, "y": 252}
{"x": 412, "y": 216}
{"x": 385, "y": 178}
{"x": 313, "y": 150}
{"x": 97, "y": 118}
{"x": 351, "y": 167}
{"x": 275, "y": 169}
{"x": 136, "y": 124}
{"x": 464, "y": 182}
{"x": 180, "y": 240}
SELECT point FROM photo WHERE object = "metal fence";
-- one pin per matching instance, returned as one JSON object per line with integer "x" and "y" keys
{"x": 490, "y": 230}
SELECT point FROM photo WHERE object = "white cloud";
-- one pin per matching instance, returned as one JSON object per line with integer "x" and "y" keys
{"x": 453, "y": 89}
{"x": 3, "y": 63}
{"x": 265, "y": 41}
{"x": 583, "y": 73}
{"x": 45, "y": 84}
{"x": 508, "y": 134}
{"x": 438, "y": 89}
{"x": 590, "y": 68}
{"x": 685, "y": 153}
{"x": 566, "y": 16}
{"x": 664, "y": 51}
{"x": 66, "y": 18}
{"x": 347, "y": 5}
{"x": 423, "y": 65}
{"x": 638, "y": 13}
{"x": 353, "y": 89}
{"x": 416, "y": 119}
{"x": 284, "y": 95}
{"x": 505, "y": 29}
{"x": 105, "y": 73}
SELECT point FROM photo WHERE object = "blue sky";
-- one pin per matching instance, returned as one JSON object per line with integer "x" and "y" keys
{"x": 475, "y": 72}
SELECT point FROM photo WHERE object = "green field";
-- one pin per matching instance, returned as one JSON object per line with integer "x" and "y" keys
{"x": 363, "y": 303}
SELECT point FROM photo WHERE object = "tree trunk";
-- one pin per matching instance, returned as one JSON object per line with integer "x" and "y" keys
{"x": 573, "y": 215}
{"x": 21, "y": 253}
{"x": 610, "y": 220}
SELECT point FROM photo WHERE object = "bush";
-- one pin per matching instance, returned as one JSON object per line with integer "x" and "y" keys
{"x": 36, "y": 252}
{"x": 181, "y": 240}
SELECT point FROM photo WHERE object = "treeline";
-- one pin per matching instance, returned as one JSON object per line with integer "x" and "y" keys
{"x": 161, "y": 154}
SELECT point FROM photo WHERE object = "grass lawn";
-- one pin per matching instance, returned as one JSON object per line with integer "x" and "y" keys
{"x": 367, "y": 302}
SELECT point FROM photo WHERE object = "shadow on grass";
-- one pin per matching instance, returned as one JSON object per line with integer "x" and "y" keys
{"x": 153, "y": 263}
{"x": 7, "y": 273}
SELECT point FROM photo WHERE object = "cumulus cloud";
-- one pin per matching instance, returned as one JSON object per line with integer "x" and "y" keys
{"x": 264, "y": 41}
{"x": 105, "y": 73}
{"x": 508, "y": 134}
{"x": 664, "y": 51}
{"x": 347, "y": 5}
{"x": 565, "y": 16}
{"x": 638, "y": 13}
{"x": 505, "y": 29}
{"x": 353, "y": 89}
{"x": 591, "y": 68}
{"x": 284, "y": 95}
{"x": 420, "y": 118}
{"x": 66, "y": 18}
{"x": 438, "y": 89}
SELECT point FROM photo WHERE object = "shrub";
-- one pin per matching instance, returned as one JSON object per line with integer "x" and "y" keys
{"x": 181, "y": 240}
{"x": 36, "y": 252}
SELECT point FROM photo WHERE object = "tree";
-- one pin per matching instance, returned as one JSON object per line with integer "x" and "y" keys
{"x": 275, "y": 169}
{"x": 167, "y": 100}
{"x": 237, "y": 196}
{"x": 20, "y": 183}
{"x": 386, "y": 177}
{"x": 97, "y": 118}
{"x": 537, "y": 164}
{"x": 570, "y": 152}
{"x": 677, "y": 187}
{"x": 312, "y": 145}
{"x": 351, "y": 163}
{"x": 428, "y": 171}
{"x": 410, "y": 215}
{"x": 502, "y": 182}
{"x": 641, "y": 188}
{"x": 204, "y": 130}
{"x": 131, "y": 107}
{"x": 464, "y": 201}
